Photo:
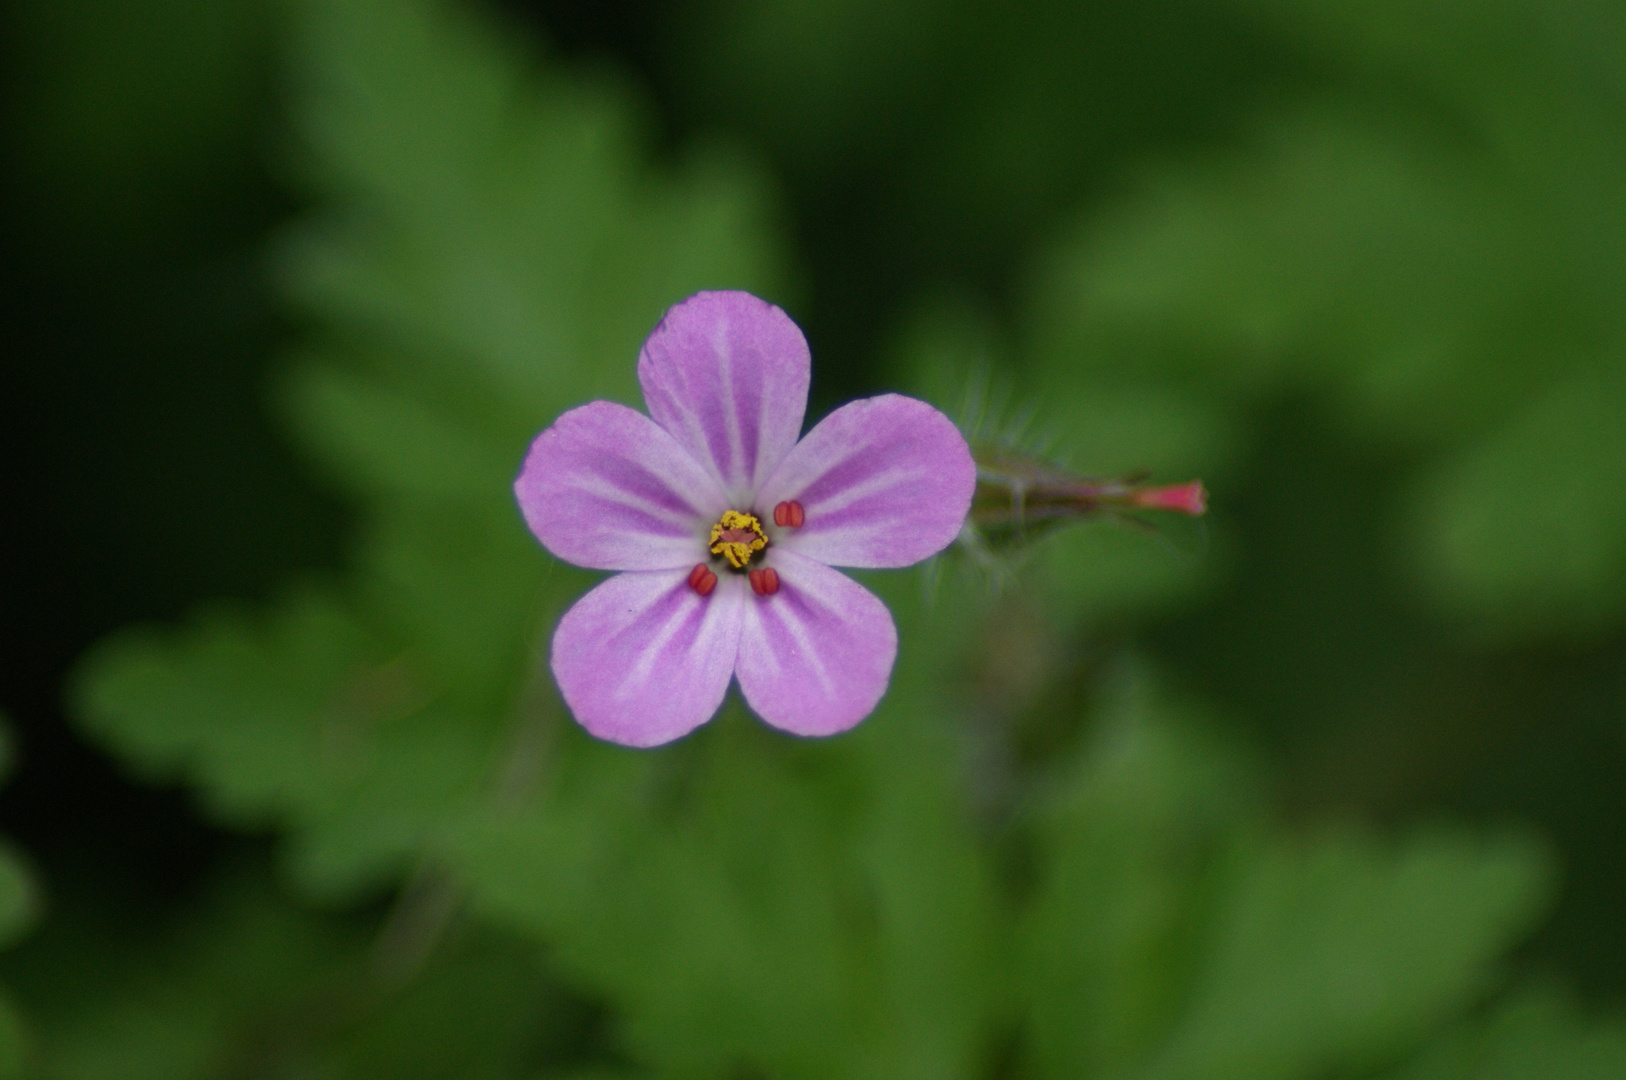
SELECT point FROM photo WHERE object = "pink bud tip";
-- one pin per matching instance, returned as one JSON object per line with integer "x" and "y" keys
{"x": 1186, "y": 498}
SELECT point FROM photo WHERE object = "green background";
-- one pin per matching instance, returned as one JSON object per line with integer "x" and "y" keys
{"x": 1327, "y": 785}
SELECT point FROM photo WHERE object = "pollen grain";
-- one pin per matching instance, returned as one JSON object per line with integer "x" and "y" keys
{"x": 737, "y": 537}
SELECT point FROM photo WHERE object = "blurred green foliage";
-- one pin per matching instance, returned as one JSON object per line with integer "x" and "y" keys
{"x": 19, "y": 911}
{"x": 1356, "y": 265}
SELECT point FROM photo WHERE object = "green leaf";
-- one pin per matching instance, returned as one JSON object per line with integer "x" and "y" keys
{"x": 238, "y": 982}
{"x": 15, "y": 1044}
{"x": 1523, "y": 531}
{"x": 491, "y": 226}
{"x": 20, "y": 900}
{"x": 303, "y": 720}
{"x": 1336, "y": 254}
{"x": 1444, "y": 305}
{"x": 1338, "y": 952}
{"x": 1173, "y": 935}
{"x": 20, "y": 909}
{"x": 1533, "y": 84}
{"x": 1125, "y": 854}
{"x": 1104, "y": 569}
{"x": 1535, "y": 1035}
{"x": 724, "y": 928}
{"x": 111, "y": 997}
{"x": 387, "y": 443}
{"x": 488, "y": 249}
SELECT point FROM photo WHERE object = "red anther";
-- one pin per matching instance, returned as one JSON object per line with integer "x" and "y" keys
{"x": 764, "y": 582}
{"x": 702, "y": 580}
{"x": 789, "y": 514}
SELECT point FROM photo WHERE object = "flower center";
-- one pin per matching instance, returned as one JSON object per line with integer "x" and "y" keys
{"x": 736, "y": 537}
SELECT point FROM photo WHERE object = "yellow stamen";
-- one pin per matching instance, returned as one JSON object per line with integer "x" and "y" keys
{"x": 737, "y": 537}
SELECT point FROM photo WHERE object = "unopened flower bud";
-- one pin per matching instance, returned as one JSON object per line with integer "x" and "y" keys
{"x": 1189, "y": 498}
{"x": 1019, "y": 496}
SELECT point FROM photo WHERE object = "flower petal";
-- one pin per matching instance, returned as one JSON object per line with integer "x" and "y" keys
{"x": 814, "y": 657}
{"x": 643, "y": 659}
{"x": 727, "y": 375}
{"x": 885, "y": 481}
{"x": 605, "y": 487}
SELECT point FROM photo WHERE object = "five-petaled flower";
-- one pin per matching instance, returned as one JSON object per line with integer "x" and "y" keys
{"x": 725, "y": 529}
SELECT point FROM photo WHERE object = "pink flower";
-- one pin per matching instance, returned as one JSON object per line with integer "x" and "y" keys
{"x": 725, "y": 529}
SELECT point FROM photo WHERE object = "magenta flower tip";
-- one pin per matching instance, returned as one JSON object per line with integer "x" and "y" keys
{"x": 725, "y": 527}
{"x": 1189, "y": 498}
